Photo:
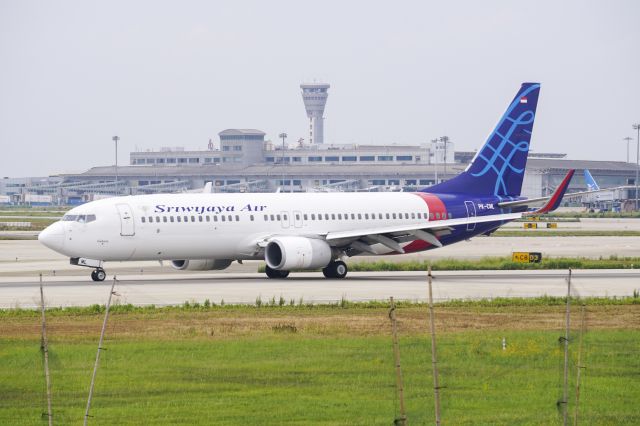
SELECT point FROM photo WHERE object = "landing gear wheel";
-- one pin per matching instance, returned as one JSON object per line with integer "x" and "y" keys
{"x": 337, "y": 269}
{"x": 98, "y": 275}
{"x": 274, "y": 273}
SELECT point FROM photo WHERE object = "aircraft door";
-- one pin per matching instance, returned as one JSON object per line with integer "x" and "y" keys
{"x": 285, "y": 219}
{"x": 297, "y": 219}
{"x": 127, "y": 227}
{"x": 471, "y": 213}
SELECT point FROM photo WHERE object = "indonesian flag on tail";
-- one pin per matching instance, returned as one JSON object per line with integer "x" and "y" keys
{"x": 523, "y": 100}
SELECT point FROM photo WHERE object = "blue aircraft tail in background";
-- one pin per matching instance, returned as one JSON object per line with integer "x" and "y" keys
{"x": 498, "y": 168}
{"x": 590, "y": 181}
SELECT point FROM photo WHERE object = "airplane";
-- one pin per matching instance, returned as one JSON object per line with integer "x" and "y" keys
{"x": 590, "y": 181}
{"x": 305, "y": 231}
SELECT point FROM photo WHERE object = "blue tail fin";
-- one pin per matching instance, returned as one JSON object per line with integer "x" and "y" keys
{"x": 590, "y": 181}
{"x": 498, "y": 168}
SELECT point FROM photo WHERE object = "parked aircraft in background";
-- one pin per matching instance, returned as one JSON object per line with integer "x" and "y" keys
{"x": 291, "y": 231}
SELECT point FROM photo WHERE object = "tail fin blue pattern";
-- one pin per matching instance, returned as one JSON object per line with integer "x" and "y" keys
{"x": 498, "y": 168}
{"x": 592, "y": 185}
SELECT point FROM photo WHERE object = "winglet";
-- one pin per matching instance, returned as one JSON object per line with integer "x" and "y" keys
{"x": 556, "y": 198}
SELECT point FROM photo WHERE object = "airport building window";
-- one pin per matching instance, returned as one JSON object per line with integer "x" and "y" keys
{"x": 226, "y": 148}
{"x": 216, "y": 160}
{"x": 207, "y": 160}
{"x": 411, "y": 182}
{"x": 171, "y": 160}
{"x": 194, "y": 160}
{"x": 425, "y": 182}
{"x": 332, "y": 158}
{"x": 160, "y": 160}
{"x": 237, "y": 148}
{"x": 182, "y": 160}
{"x": 377, "y": 182}
{"x": 151, "y": 160}
{"x": 269, "y": 159}
{"x": 385, "y": 157}
{"x": 404, "y": 157}
{"x": 315, "y": 159}
{"x": 394, "y": 182}
{"x": 367, "y": 158}
{"x": 349, "y": 158}
{"x": 296, "y": 159}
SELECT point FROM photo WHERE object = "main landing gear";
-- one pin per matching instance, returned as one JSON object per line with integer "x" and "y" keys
{"x": 98, "y": 274}
{"x": 335, "y": 269}
{"x": 274, "y": 273}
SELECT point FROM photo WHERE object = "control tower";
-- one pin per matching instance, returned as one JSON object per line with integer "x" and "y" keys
{"x": 314, "y": 96}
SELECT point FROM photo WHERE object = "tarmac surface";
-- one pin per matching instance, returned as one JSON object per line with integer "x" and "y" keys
{"x": 313, "y": 287}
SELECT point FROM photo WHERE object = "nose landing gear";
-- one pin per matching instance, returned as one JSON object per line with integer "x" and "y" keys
{"x": 98, "y": 274}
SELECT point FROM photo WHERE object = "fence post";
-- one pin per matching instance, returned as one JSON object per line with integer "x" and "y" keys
{"x": 434, "y": 359}
{"x": 580, "y": 366}
{"x": 565, "y": 387}
{"x": 44, "y": 345}
{"x": 396, "y": 354}
{"x": 95, "y": 367}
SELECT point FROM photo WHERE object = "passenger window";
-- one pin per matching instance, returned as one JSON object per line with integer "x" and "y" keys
{"x": 193, "y": 218}
{"x": 413, "y": 215}
{"x": 266, "y": 218}
{"x": 297, "y": 217}
{"x": 406, "y": 215}
{"x": 237, "y": 218}
{"x": 359, "y": 216}
{"x": 450, "y": 215}
{"x": 437, "y": 215}
{"x": 353, "y": 216}
{"x": 366, "y": 215}
{"x": 313, "y": 216}
{"x": 200, "y": 218}
{"x": 222, "y": 218}
{"x": 430, "y": 216}
{"x": 393, "y": 215}
{"x": 333, "y": 216}
{"x": 379, "y": 215}
{"x": 186, "y": 218}
{"x": 230, "y": 218}
{"x": 215, "y": 218}
{"x": 157, "y": 219}
{"x": 251, "y": 217}
{"x": 208, "y": 218}
{"x": 304, "y": 216}
{"x": 284, "y": 217}
{"x": 178, "y": 218}
{"x": 339, "y": 216}
{"x": 326, "y": 216}
{"x": 143, "y": 219}
{"x": 278, "y": 217}
{"x": 164, "y": 219}
{"x": 150, "y": 219}
{"x": 319, "y": 216}
{"x": 171, "y": 219}
{"x": 272, "y": 217}
{"x": 387, "y": 215}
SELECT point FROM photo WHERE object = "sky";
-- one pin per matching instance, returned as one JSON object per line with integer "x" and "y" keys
{"x": 163, "y": 73}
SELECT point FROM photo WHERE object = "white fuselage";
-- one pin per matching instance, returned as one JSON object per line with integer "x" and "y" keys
{"x": 220, "y": 226}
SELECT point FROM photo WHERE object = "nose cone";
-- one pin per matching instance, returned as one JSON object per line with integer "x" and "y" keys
{"x": 53, "y": 236}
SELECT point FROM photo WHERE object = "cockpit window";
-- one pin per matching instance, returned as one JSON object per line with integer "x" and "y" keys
{"x": 82, "y": 218}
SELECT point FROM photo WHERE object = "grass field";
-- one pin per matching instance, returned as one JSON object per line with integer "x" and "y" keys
{"x": 319, "y": 365}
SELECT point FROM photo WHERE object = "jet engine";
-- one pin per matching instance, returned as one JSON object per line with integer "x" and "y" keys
{"x": 286, "y": 253}
{"x": 200, "y": 264}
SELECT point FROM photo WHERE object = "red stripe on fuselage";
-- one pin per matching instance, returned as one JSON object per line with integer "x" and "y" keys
{"x": 437, "y": 211}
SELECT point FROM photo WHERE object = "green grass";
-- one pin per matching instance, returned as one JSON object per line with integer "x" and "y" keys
{"x": 309, "y": 376}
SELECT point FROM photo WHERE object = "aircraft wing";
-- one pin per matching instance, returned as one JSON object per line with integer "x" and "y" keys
{"x": 390, "y": 236}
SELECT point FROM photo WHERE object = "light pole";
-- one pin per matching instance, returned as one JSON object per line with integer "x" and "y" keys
{"x": 628, "y": 139}
{"x": 637, "y": 127}
{"x": 445, "y": 140}
{"x": 283, "y": 136}
{"x": 116, "y": 139}
{"x": 435, "y": 159}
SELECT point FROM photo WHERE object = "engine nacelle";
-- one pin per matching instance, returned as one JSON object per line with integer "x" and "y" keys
{"x": 286, "y": 253}
{"x": 200, "y": 264}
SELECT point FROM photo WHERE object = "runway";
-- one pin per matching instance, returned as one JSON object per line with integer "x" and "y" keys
{"x": 162, "y": 290}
